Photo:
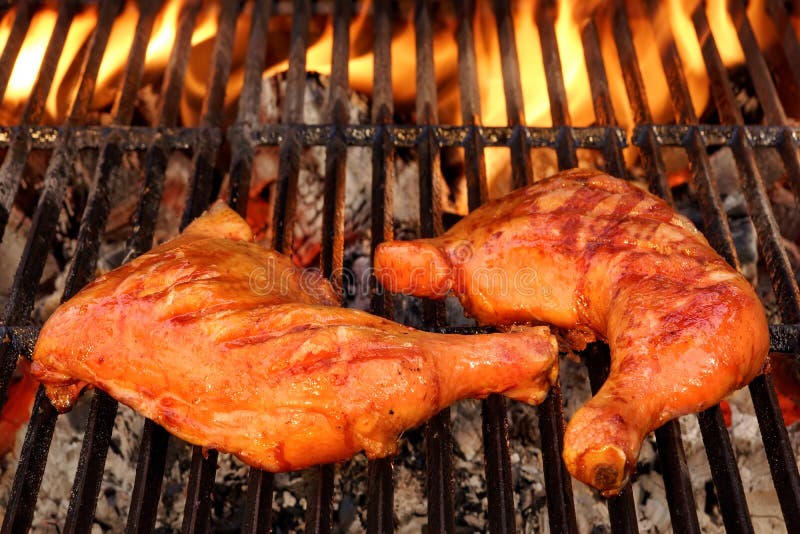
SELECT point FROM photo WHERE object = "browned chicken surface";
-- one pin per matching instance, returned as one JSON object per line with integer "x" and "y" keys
{"x": 602, "y": 258}
{"x": 229, "y": 346}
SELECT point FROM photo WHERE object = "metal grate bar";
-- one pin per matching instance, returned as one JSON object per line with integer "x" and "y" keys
{"x": 289, "y": 154}
{"x": 156, "y": 155}
{"x": 103, "y": 409}
{"x": 559, "y": 494}
{"x": 782, "y": 462}
{"x": 319, "y": 496}
{"x": 196, "y": 514}
{"x": 521, "y": 167}
{"x": 239, "y": 136}
{"x": 380, "y": 496}
{"x": 383, "y": 153}
{"x": 331, "y": 255}
{"x": 559, "y": 109}
{"x": 791, "y": 48}
{"x": 783, "y": 279}
{"x": 725, "y": 471}
{"x": 22, "y": 20}
{"x": 140, "y": 137}
{"x": 198, "y": 490}
{"x": 258, "y": 505}
{"x": 477, "y": 188}
{"x": 31, "y": 265}
{"x": 785, "y": 476}
{"x": 91, "y": 65}
{"x": 36, "y": 446}
{"x": 14, "y": 162}
{"x": 767, "y": 93}
{"x": 319, "y": 508}
{"x": 380, "y": 490}
{"x": 149, "y": 474}
{"x": 601, "y": 96}
{"x": 499, "y": 487}
{"x": 679, "y": 496}
{"x": 714, "y": 219}
{"x": 621, "y": 508}
{"x": 32, "y": 262}
{"x": 670, "y": 446}
{"x": 768, "y": 97}
{"x": 783, "y": 338}
{"x": 172, "y": 86}
{"x": 560, "y": 504}
{"x": 634, "y": 87}
{"x": 92, "y": 60}
{"x": 86, "y": 486}
{"x": 34, "y": 108}
{"x": 728, "y": 484}
{"x": 125, "y": 102}
{"x": 682, "y": 507}
{"x": 110, "y": 158}
{"x": 289, "y": 151}
{"x": 438, "y": 435}
{"x": 22, "y": 503}
{"x": 205, "y": 151}
{"x": 409, "y": 136}
{"x": 674, "y": 134}
{"x": 153, "y": 447}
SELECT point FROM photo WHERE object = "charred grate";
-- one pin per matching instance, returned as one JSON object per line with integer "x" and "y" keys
{"x": 427, "y": 136}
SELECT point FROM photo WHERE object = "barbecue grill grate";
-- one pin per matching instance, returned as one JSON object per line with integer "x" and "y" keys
{"x": 428, "y": 137}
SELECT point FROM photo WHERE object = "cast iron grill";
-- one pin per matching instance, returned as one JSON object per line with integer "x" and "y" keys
{"x": 428, "y": 137}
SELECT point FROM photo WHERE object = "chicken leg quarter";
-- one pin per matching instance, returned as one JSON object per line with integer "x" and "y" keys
{"x": 602, "y": 258}
{"x": 229, "y": 346}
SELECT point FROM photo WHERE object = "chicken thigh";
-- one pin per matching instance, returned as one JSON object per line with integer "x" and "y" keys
{"x": 229, "y": 346}
{"x": 601, "y": 258}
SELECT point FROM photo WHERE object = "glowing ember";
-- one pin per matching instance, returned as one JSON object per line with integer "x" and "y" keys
{"x": 570, "y": 17}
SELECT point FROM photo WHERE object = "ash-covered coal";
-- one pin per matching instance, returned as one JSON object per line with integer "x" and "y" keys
{"x": 410, "y": 508}
{"x": 311, "y": 178}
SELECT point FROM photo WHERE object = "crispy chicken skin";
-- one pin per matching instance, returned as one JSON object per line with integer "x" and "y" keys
{"x": 602, "y": 258}
{"x": 229, "y": 346}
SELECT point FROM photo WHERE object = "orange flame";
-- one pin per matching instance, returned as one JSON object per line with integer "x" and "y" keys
{"x": 23, "y": 76}
{"x": 493, "y": 110}
{"x": 5, "y": 26}
{"x": 62, "y": 94}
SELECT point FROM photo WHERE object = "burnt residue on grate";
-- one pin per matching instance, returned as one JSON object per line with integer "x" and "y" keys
{"x": 213, "y": 153}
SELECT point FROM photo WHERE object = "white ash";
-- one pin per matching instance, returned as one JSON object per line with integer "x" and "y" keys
{"x": 13, "y": 243}
{"x": 786, "y": 210}
{"x": 125, "y": 192}
{"x": 311, "y": 179}
{"x": 726, "y": 174}
{"x": 350, "y": 502}
{"x": 410, "y": 504}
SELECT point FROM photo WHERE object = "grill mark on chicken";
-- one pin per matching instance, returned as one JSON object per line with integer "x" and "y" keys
{"x": 613, "y": 262}
{"x": 265, "y": 368}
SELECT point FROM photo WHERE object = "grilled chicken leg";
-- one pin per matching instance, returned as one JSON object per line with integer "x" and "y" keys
{"x": 229, "y": 346}
{"x": 598, "y": 256}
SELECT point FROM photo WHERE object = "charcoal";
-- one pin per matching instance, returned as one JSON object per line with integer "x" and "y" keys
{"x": 311, "y": 179}
{"x": 723, "y": 165}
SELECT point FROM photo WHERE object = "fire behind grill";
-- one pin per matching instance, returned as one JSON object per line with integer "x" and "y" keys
{"x": 428, "y": 137}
